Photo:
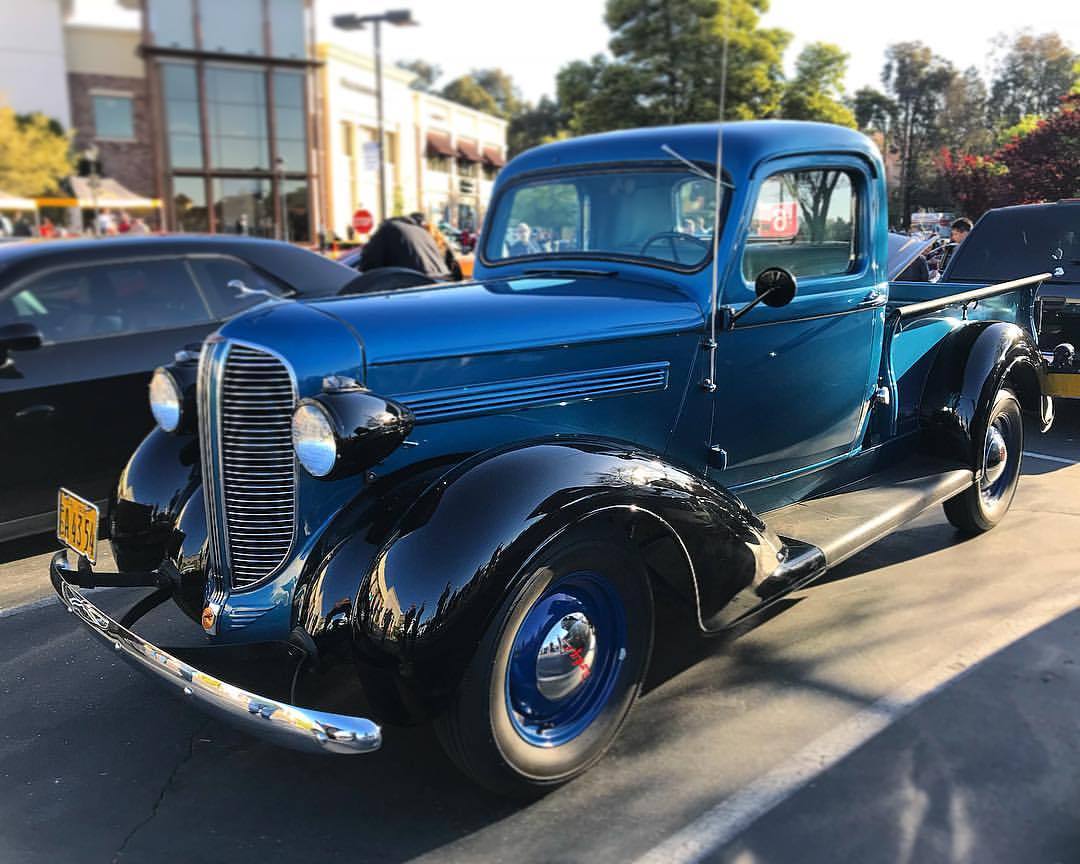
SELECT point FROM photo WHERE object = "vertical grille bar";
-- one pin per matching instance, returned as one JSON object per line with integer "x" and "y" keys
{"x": 257, "y": 465}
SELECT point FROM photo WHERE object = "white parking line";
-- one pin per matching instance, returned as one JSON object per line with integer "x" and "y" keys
{"x": 1047, "y": 458}
{"x": 725, "y": 821}
{"x": 26, "y": 607}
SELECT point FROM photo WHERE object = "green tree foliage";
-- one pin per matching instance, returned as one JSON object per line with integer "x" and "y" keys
{"x": 426, "y": 74}
{"x": 917, "y": 82}
{"x": 666, "y": 66}
{"x": 35, "y": 153}
{"x": 534, "y": 124}
{"x": 874, "y": 111}
{"x": 1031, "y": 77}
{"x": 467, "y": 91}
{"x": 816, "y": 92}
{"x": 963, "y": 118}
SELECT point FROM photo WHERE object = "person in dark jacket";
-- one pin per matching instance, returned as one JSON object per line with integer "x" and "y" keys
{"x": 401, "y": 242}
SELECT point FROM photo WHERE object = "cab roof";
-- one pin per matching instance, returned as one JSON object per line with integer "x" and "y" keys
{"x": 746, "y": 143}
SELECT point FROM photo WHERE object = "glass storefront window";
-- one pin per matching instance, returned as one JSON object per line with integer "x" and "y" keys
{"x": 236, "y": 108}
{"x": 290, "y": 119}
{"x": 182, "y": 121}
{"x": 171, "y": 23}
{"x": 189, "y": 204}
{"x": 233, "y": 27}
{"x": 287, "y": 32}
{"x": 297, "y": 218}
{"x": 243, "y": 206}
{"x": 113, "y": 117}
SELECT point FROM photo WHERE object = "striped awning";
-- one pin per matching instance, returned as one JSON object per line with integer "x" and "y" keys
{"x": 438, "y": 144}
{"x": 468, "y": 150}
{"x": 494, "y": 157}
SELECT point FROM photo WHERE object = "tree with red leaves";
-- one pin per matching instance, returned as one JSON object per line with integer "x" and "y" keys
{"x": 1043, "y": 165}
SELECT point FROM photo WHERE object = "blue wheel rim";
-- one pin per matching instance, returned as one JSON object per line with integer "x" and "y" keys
{"x": 545, "y": 722}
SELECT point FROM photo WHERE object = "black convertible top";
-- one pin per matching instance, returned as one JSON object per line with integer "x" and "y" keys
{"x": 1012, "y": 242}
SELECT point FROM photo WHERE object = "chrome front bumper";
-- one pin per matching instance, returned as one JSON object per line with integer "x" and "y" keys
{"x": 277, "y": 722}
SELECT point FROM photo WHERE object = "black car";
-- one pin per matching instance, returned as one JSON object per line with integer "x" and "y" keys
{"x": 1012, "y": 242}
{"x": 83, "y": 323}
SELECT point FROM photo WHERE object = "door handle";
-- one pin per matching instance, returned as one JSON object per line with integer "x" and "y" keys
{"x": 35, "y": 411}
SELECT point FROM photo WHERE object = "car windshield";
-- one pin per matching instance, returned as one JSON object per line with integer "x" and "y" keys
{"x": 663, "y": 215}
{"x": 1010, "y": 244}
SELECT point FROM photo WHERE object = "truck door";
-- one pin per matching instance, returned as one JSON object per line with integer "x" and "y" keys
{"x": 794, "y": 384}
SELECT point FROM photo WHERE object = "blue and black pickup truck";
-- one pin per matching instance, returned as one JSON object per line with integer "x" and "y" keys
{"x": 674, "y": 375}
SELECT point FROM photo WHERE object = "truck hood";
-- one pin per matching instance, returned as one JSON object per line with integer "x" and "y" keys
{"x": 507, "y": 315}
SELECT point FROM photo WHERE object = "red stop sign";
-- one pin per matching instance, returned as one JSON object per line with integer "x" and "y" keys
{"x": 363, "y": 221}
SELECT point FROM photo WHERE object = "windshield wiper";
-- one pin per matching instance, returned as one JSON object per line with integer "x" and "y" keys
{"x": 568, "y": 271}
{"x": 693, "y": 167}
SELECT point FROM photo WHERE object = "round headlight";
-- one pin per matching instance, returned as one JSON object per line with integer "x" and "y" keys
{"x": 165, "y": 400}
{"x": 314, "y": 440}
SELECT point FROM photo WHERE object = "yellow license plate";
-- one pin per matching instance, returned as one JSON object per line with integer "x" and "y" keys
{"x": 77, "y": 524}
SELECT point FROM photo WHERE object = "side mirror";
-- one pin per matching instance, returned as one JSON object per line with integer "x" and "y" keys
{"x": 774, "y": 286}
{"x": 18, "y": 337}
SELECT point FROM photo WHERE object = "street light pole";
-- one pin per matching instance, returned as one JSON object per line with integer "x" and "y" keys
{"x": 379, "y": 119}
{"x": 399, "y": 18}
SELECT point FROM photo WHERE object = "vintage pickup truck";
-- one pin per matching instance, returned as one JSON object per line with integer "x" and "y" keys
{"x": 471, "y": 494}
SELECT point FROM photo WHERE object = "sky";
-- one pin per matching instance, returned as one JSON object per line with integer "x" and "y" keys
{"x": 532, "y": 40}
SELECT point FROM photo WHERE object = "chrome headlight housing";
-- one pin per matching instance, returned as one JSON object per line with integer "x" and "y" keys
{"x": 314, "y": 439}
{"x": 166, "y": 400}
{"x": 346, "y": 431}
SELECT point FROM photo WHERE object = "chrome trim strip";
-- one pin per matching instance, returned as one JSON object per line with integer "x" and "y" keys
{"x": 543, "y": 390}
{"x": 283, "y": 724}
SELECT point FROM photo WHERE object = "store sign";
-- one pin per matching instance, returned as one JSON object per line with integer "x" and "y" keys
{"x": 371, "y": 155}
{"x": 777, "y": 221}
{"x": 363, "y": 221}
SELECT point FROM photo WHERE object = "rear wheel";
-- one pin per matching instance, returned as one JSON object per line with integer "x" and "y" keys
{"x": 982, "y": 506}
{"x": 557, "y": 671}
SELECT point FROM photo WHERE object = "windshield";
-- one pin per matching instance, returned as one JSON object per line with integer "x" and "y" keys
{"x": 1010, "y": 244}
{"x": 659, "y": 215}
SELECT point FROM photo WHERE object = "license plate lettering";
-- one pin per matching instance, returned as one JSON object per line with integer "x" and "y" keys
{"x": 77, "y": 524}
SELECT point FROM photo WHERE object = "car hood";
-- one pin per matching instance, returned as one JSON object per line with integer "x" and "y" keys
{"x": 508, "y": 315}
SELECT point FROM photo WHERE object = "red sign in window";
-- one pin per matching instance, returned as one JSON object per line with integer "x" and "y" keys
{"x": 777, "y": 221}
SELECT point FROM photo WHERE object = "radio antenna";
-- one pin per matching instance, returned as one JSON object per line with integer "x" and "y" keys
{"x": 714, "y": 294}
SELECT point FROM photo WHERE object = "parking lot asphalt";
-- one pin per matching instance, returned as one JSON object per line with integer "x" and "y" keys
{"x": 918, "y": 705}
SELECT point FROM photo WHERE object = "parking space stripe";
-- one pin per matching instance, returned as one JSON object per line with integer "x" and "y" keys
{"x": 725, "y": 821}
{"x": 1047, "y": 458}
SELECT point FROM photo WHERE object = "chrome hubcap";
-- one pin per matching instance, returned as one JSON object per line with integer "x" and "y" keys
{"x": 995, "y": 458}
{"x": 566, "y": 656}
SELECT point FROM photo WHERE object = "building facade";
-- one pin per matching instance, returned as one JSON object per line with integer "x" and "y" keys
{"x": 231, "y": 84}
{"x": 32, "y": 68}
{"x": 441, "y": 157}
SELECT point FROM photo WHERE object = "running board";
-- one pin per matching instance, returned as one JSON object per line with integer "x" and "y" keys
{"x": 850, "y": 519}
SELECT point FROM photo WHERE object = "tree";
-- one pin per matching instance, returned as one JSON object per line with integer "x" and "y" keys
{"x": 534, "y": 125}
{"x": 668, "y": 54}
{"x": 816, "y": 92}
{"x": 1032, "y": 76}
{"x": 963, "y": 119}
{"x": 502, "y": 89}
{"x": 426, "y": 74}
{"x": 35, "y": 153}
{"x": 467, "y": 91}
{"x": 977, "y": 183}
{"x": 917, "y": 82}
{"x": 1044, "y": 165}
{"x": 874, "y": 111}
{"x": 598, "y": 95}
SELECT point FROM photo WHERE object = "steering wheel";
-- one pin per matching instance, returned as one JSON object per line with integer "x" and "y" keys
{"x": 672, "y": 236}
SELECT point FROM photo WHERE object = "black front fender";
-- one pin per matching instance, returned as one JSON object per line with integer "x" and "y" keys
{"x": 433, "y": 588}
{"x": 974, "y": 362}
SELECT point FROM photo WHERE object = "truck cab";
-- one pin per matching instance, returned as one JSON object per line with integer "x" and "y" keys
{"x": 672, "y": 373}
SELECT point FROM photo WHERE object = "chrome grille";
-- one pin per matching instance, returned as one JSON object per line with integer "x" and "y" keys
{"x": 258, "y": 471}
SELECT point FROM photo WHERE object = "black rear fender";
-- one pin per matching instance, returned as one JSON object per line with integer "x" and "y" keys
{"x": 973, "y": 363}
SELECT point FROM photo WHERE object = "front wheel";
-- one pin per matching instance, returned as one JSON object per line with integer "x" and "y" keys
{"x": 985, "y": 504}
{"x": 556, "y": 672}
